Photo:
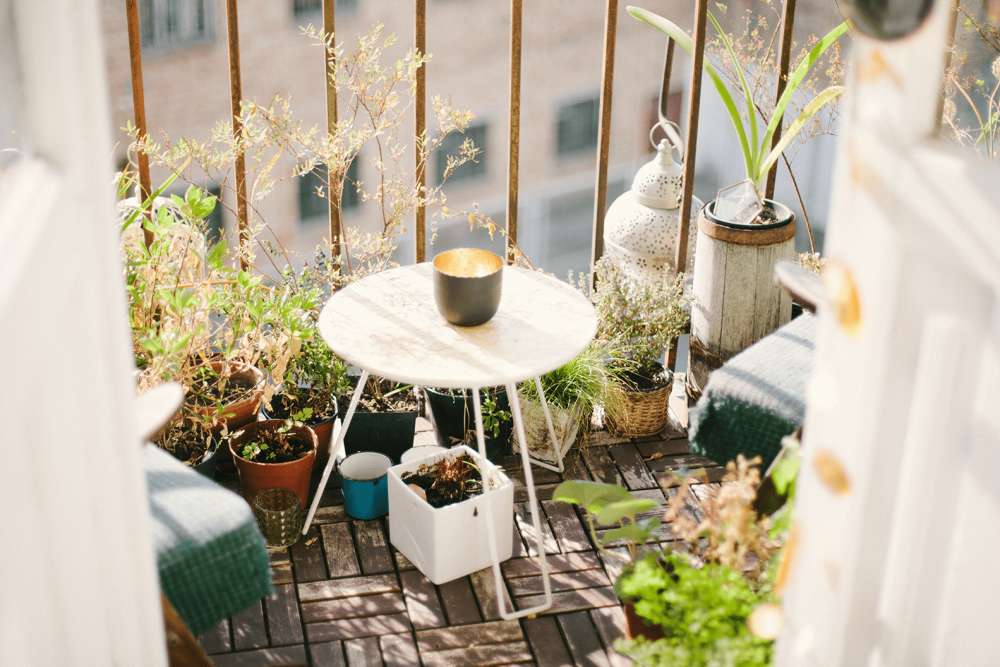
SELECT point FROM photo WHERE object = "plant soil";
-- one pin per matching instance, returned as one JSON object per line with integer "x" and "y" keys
{"x": 287, "y": 403}
{"x": 275, "y": 447}
{"x": 385, "y": 396}
{"x": 765, "y": 217}
{"x": 645, "y": 380}
{"x": 448, "y": 481}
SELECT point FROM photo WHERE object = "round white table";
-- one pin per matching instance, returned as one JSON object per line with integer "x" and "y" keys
{"x": 388, "y": 325}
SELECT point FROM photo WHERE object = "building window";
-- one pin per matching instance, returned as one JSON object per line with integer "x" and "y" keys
{"x": 310, "y": 7}
{"x": 577, "y": 126}
{"x": 313, "y": 207}
{"x": 169, "y": 24}
{"x": 452, "y": 145}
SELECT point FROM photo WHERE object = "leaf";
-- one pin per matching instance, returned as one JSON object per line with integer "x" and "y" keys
{"x": 795, "y": 78}
{"x": 755, "y": 148}
{"x": 674, "y": 32}
{"x": 216, "y": 255}
{"x": 624, "y": 509}
{"x": 134, "y": 215}
{"x": 592, "y": 496}
{"x": 810, "y": 110}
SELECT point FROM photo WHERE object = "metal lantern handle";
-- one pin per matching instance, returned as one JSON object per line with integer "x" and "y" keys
{"x": 672, "y": 132}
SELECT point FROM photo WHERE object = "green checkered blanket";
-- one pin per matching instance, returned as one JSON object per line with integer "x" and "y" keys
{"x": 757, "y": 397}
{"x": 211, "y": 556}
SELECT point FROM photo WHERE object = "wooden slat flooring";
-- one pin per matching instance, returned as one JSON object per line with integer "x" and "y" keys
{"x": 344, "y": 596}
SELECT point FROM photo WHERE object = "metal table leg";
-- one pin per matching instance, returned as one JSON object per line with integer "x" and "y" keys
{"x": 558, "y": 465}
{"x": 336, "y": 448}
{"x": 532, "y": 504}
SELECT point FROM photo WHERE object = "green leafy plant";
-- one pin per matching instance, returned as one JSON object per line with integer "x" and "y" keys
{"x": 494, "y": 417}
{"x": 611, "y": 506}
{"x": 758, "y": 154}
{"x": 278, "y": 446}
{"x": 703, "y": 611}
{"x": 582, "y": 382}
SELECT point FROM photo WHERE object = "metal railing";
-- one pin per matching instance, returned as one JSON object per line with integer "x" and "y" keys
{"x": 514, "y": 107}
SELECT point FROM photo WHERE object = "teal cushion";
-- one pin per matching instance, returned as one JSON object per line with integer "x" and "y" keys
{"x": 211, "y": 556}
{"x": 757, "y": 397}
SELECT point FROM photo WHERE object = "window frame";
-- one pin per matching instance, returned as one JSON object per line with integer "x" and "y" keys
{"x": 162, "y": 39}
{"x": 565, "y": 106}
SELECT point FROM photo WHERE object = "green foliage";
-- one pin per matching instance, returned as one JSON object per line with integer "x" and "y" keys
{"x": 758, "y": 156}
{"x": 703, "y": 612}
{"x": 611, "y": 505}
{"x": 582, "y": 382}
{"x": 493, "y": 417}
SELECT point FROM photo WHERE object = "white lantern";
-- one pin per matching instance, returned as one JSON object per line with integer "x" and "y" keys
{"x": 641, "y": 226}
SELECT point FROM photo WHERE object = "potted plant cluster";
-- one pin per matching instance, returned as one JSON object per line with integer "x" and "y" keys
{"x": 454, "y": 419}
{"x": 741, "y": 235}
{"x": 711, "y": 597}
{"x": 638, "y": 321}
{"x": 572, "y": 392}
{"x": 453, "y": 498}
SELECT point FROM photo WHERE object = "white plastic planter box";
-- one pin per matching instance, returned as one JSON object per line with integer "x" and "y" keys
{"x": 451, "y": 542}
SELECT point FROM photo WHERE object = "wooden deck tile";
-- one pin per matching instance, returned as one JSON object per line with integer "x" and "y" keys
{"x": 560, "y": 582}
{"x": 542, "y": 492}
{"x": 610, "y": 624}
{"x": 307, "y": 557}
{"x": 482, "y": 656}
{"x": 459, "y": 602}
{"x": 633, "y": 467}
{"x": 281, "y": 567}
{"x": 338, "y": 545}
{"x": 566, "y": 526}
{"x": 583, "y": 640}
{"x": 330, "y": 514}
{"x": 587, "y": 598}
{"x": 484, "y": 587}
{"x": 399, "y": 650}
{"x": 285, "y": 655}
{"x": 602, "y": 466}
{"x": 657, "y": 449}
{"x": 350, "y": 607}
{"x": 546, "y": 641}
{"x": 522, "y": 516}
{"x": 464, "y": 636}
{"x": 341, "y": 588}
{"x": 363, "y": 652}
{"x": 328, "y": 654}
{"x": 283, "y": 618}
{"x": 249, "y": 630}
{"x": 216, "y": 639}
{"x": 422, "y": 602}
{"x": 576, "y": 467}
{"x": 528, "y": 567}
{"x": 373, "y": 548}
{"x": 362, "y": 626}
{"x": 402, "y": 562}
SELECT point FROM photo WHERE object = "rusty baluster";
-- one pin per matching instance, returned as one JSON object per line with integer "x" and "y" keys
{"x": 668, "y": 65}
{"x": 420, "y": 107}
{"x": 604, "y": 132}
{"x": 691, "y": 138}
{"x": 514, "y": 138}
{"x": 236, "y": 98}
{"x": 334, "y": 195}
{"x": 139, "y": 105}
{"x": 784, "y": 56}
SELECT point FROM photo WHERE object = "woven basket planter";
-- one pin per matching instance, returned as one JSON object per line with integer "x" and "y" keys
{"x": 565, "y": 421}
{"x": 641, "y": 413}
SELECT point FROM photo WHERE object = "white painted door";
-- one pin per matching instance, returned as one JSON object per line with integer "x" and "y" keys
{"x": 77, "y": 571}
{"x": 901, "y": 569}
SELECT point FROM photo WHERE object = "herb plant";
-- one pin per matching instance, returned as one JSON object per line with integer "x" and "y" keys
{"x": 582, "y": 383}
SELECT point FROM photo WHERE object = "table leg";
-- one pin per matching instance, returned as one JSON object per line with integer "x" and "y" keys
{"x": 532, "y": 504}
{"x": 558, "y": 465}
{"x": 336, "y": 448}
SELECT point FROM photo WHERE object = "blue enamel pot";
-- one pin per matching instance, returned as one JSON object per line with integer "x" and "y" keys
{"x": 366, "y": 491}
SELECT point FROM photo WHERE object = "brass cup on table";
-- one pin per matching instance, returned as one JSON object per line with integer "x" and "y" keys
{"x": 467, "y": 285}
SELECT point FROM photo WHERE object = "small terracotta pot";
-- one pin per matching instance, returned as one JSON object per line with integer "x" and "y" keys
{"x": 294, "y": 475}
{"x": 636, "y": 626}
{"x": 241, "y": 412}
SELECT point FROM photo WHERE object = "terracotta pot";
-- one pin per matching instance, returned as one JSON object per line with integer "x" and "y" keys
{"x": 243, "y": 411}
{"x": 636, "y": 626}
{"x": 294, "y": 475}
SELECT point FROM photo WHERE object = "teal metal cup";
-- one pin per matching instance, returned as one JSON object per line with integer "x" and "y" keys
{"x": 366, "y": 491}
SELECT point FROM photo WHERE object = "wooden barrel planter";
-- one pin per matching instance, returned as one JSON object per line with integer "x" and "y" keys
{"x": 736, "y": 299}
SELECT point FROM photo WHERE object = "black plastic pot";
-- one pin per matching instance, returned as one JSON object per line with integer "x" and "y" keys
{"x": 454, "y": 417}
{"x": 207, "y": 464}
{"x": 389, "y": 433}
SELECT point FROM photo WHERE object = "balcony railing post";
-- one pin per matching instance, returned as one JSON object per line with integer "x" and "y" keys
{"x": 604, "y": 128}
{"x": 420, "y": 123}
{"x": 784, "y": 55}
{"x": 333, "y": 196}
{"x": 236, "y": 99}
{"x": 514, "y": 131}
{"x": 139, "y": 105}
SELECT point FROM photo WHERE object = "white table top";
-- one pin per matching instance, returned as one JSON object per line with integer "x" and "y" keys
{"x": 389, "y": 325}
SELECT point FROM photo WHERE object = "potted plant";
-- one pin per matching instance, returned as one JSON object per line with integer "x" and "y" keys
{"x": 741, "y": 235}
{"x": 572, "y": 391}
{"x": 451, "y": 410}
{"x": 274, "y": 454}
{"x": 451, "y": 499}
{"x": 385, "y": 419}
{"x": 637, "y": 322}
{"x": 313, "y": 380}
